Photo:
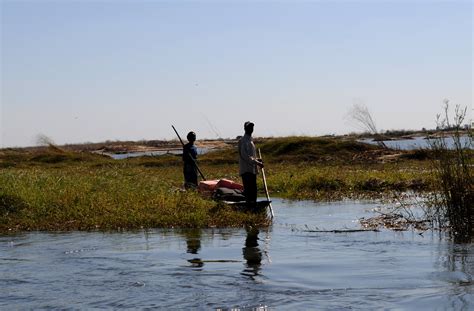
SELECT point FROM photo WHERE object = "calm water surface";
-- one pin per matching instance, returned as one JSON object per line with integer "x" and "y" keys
{"x": 175, "y": 151}
{"x": 420, "y": 143}
{"x": 281, "y": 268}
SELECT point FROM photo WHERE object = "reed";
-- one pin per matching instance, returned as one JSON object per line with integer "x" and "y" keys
{"x": 452, "y": 169}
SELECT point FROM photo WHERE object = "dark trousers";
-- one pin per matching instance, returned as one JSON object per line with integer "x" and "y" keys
{"x": 190, "y": 176}
{"x": 250, "y": 186}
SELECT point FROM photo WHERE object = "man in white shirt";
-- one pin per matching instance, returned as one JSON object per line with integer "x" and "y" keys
{"x": 248, "y": 163}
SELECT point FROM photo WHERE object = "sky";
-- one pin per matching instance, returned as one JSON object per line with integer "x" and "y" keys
{"x": 94, "y": 70}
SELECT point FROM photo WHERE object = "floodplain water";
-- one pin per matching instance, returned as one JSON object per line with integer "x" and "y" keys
{"x": 420, "y": 143}
{"x": 173, "y": 151}
{"x": 284, "y": 267}
{"x": 401, "y": 144}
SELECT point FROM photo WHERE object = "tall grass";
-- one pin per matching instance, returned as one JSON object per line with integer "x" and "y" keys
{"x": 452, "y": 167}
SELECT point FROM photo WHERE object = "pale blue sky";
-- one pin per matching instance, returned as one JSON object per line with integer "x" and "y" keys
{"x": 80, "y": 71}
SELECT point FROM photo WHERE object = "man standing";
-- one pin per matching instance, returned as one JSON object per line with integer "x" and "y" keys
{"x": 189, "y": 161}
{"x": 248, "y": 163}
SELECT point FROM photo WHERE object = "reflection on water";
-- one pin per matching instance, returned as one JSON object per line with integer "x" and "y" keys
{"x": 252, "y": 253}
{"x": 193, "y": 240}
{"x": 456, "y": 262}
{"x": 224, "y": 269}
{"x": 193, "y": 243}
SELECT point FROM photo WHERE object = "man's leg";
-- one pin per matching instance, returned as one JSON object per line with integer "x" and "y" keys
{"x": 190, "y": 176}
{"x": 250, "y": 186}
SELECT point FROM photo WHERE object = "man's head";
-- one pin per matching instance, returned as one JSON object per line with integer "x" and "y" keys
{"x": 191, "y": 137}
{"x": 248, "y": 127}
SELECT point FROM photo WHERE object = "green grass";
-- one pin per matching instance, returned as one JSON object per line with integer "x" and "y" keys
{"x": 297, "y": 150}
{"x": 117, "y": 197}
{"x": 53, "y": 189}
{"x": 321, "y": 182}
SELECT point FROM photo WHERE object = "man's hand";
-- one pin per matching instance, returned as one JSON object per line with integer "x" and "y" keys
{"x": 259, "y": 162}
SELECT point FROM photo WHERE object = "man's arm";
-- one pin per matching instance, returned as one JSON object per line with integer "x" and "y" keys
{"x": 248, "y": 156}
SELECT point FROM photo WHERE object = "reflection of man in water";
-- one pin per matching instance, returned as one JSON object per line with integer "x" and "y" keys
{"x": 193, "y": 240}
{"x": 193, "y": 243}
{"x": 252, "y": 253}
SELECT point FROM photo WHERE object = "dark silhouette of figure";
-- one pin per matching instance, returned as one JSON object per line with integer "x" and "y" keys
{"x": 189, "y": 162}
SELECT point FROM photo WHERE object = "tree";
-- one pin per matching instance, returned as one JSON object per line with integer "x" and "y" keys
{"x": 360, "y": 116}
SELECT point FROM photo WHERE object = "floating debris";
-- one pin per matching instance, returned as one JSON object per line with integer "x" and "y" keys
{"x": 394, "y": 221}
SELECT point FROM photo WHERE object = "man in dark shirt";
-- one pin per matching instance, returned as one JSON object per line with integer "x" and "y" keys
{"x": 189, "y": 160}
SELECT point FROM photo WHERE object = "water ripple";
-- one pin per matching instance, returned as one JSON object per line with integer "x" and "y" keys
{"x": 231, "y": 269}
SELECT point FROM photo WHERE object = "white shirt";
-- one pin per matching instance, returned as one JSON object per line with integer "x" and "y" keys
{"x": 247, "y": 155}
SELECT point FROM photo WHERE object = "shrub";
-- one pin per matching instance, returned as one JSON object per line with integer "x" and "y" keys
{"x": 452, "y": 168}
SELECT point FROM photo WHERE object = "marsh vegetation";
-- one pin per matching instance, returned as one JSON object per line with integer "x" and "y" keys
{"x": 51, "y": 188}
{"x": 453, "y": 204}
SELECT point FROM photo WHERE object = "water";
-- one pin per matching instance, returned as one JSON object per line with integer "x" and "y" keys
{"x": 175, "y": 151}
{"x": 282, "y": 268}
{"x": 418, "y": 143}
{"x": 404, "y": 144}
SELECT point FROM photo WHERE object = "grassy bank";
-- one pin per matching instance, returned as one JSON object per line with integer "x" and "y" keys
{"x": 115, "y": 197}
{"x": 52, "y": 189}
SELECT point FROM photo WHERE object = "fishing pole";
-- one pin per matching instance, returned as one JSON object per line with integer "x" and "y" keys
{"x": 194, "y": 160}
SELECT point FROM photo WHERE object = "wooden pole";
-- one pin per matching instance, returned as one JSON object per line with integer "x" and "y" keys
{"x": 265, "y": 185}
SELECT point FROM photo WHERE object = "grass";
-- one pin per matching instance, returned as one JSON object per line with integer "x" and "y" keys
{"x": 321, "y": 182}
{"x": 85, "y": 198}
{"x": 53, "y": 189}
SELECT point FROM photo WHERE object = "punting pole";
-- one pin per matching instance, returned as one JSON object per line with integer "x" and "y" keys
{"x": 265, "y": 185}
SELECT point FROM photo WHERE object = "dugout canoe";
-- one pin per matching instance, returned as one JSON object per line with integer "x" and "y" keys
{"x": 259, "y": 206}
